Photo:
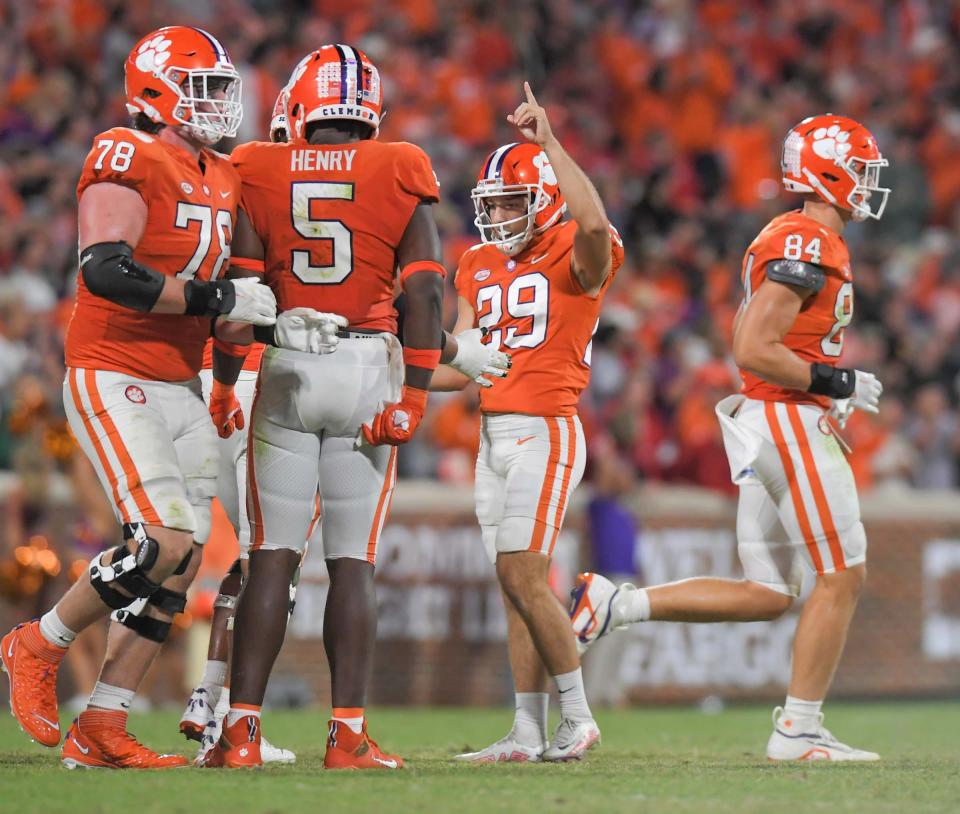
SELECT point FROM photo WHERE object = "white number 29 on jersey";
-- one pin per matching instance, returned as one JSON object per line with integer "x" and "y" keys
{"x": 528, "y": 297}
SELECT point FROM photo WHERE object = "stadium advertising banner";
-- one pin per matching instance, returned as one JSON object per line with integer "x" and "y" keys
{"x": 442, "y": 631}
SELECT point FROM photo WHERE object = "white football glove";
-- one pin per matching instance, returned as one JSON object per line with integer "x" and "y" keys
{"x": 308, "y": 331}
{"x": 477, "y": 360}
{"x": 255, "y": 302}
{"x": 866, "y": 397}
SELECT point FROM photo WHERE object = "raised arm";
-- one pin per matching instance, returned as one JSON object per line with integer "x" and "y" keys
{"x": 591, "y": 245}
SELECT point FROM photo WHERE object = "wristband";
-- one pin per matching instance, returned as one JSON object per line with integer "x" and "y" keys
{"x": 208, "y": 299}
{"x": 421, "y": 265}
{"x": 427, "y": 358}
{"x": 835, "y": 382}
{"x": 248, "y": 263}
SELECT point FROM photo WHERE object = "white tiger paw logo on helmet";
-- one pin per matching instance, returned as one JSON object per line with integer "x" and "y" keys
{"x": 153, "y": 54}
{"x": 831, "y": 142}
{"x": 542, "y": 163}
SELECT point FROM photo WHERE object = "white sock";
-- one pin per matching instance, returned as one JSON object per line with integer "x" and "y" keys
{"x": 106, "y": 696}
{"x": 631, "y": 606}
{"x": 54, "y": 630}
{"x": 804, "y": 714}
{"x": 223, "y": 705}
{"x": 530, "y": 720}
{"x": 214, "y": 675}
{"x": 235, "y": 714}
{"x": 573, "y": 699}
{"x": 354, "y": 722}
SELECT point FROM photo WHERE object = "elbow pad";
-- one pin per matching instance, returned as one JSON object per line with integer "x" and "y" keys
{"x": 109, "y": 271}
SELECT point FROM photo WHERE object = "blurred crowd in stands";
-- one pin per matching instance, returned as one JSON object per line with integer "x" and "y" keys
{"x": 675, "y": 108}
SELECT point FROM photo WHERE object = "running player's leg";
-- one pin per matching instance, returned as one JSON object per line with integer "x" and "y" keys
{"x": 764, "y": 593}
{"x": 821, "y": 512}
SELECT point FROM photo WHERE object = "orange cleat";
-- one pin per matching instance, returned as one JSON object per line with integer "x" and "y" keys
{"x": 347, "y": 749}
{"x": 238, "y": 747}
{"x": 31, "y": 664}
{"x": 98, "y": 739}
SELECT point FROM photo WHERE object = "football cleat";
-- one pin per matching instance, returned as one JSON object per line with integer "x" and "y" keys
{"x": 211, "y": 734}
{"x": 31, "y": 665}
{"x": 275, "y": 754}
{"x": 505, "y": 750}
{"x": 347, "y": 749}
{"x": 571, "y": 740}
{"x": 198, "y": 714}
{"x": 99, "y": 740}
{"x": 238, "y": 746}
{"x": 592, "y": 610}
{"x": 816, "y": 744}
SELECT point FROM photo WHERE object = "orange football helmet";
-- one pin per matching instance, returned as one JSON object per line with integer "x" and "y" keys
{"x": 837, "y": 159}
{"x": 333, "y": 82}
{"x": 278, "y": 120}
{"x": 183, "y": 76}
{"x": 517, "y": 169}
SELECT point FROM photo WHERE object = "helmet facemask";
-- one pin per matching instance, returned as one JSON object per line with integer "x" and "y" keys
{"x": 866, "y": 177}
{"x": 502, "y": 234}
{"x": 206, "y": 116}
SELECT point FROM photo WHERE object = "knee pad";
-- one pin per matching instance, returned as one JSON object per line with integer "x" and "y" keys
{"x": 126, "y": 570}
{"x": 156, "y": 630}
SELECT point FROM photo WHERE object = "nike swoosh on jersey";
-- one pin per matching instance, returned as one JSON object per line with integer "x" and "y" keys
{"x": 47, "y": 721}
{"x": 225, "y": 194}
{"x": 521, "y": 441}
{"x": 538, "y": 259}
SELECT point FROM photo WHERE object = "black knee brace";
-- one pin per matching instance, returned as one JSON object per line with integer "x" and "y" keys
{"x": 157, "y": 630}
{"x": 126, "y": 570}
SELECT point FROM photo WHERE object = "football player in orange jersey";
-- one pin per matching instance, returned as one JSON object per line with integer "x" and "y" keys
{"x": 797, "y": 493}
{"x": 156, "y": 213}
{"x": 536, "y": 283}
{"x": 202, "y": 719}
{"x": 332, "y": 214}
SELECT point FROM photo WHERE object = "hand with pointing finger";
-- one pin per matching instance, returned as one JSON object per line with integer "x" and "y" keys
{"x": 531, "y": 119}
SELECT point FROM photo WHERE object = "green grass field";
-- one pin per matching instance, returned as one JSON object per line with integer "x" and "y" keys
{"x": 671, "y": 760}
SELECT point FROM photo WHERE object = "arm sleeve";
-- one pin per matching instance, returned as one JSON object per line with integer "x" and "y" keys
{"x": 415, "y": 174}
{"x": 796, "y": 273}
{"x": 120, "y": 156}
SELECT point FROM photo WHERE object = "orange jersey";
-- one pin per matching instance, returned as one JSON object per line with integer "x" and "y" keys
{"x": 190, "y": 219}
{"x": 331, "y": 218}
{"x": 536, "y": 310}
{"x": 252, "y": 362}
{"x": 817, "y": 334}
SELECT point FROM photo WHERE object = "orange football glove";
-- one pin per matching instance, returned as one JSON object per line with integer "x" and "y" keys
{"x": 225, "y": 409}
{"x": 396, "y": 423}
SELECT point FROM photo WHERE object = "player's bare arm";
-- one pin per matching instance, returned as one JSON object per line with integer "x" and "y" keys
{"x": 759, "y": 333}
{"x": 424, "y": 289}
{"x": 112, "y": 219}
{"x": 591, "y": 244}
